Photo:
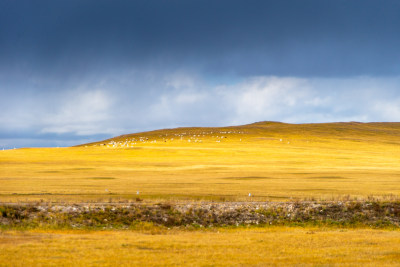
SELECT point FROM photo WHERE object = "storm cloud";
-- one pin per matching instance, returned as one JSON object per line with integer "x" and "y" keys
{"x": 76, "y": 71}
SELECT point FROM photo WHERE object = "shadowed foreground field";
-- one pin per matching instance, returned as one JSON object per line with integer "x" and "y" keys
{"x": 216, "y": 247}
{"x": 272, "y": 161}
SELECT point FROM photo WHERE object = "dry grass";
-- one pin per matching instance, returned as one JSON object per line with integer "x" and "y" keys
{"x": 315, "y": 161}
{"x": 219, "y": 247}
{"x": 272, "y": 161}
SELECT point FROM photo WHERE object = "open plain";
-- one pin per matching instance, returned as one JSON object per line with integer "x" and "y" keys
{"x": 271, "y": 161}
{"x": 268, "y": 162}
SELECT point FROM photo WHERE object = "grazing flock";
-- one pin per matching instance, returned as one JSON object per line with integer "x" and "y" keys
{"x": 189, "y": 137}
{"x": 182, "y": 137}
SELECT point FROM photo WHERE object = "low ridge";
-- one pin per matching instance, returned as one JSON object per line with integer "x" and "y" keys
{"x": 373, "y": 131}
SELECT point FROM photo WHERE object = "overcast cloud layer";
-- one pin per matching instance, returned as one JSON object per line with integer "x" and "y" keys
{"x": 79, "y": 71}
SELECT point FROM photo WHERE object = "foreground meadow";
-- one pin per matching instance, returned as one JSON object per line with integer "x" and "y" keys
{"x": 216, "y": 247}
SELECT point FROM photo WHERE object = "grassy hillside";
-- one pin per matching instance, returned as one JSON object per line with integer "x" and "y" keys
{"x": 352, "y": 131}
{"x": 269, "y": 160}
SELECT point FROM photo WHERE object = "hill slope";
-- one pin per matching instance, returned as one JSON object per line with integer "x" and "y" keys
{"x": 356, "y": 131}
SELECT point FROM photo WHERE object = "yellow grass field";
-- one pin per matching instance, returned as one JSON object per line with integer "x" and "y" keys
{"x": 278, "y": 246}
{"x": 272, "y": 161}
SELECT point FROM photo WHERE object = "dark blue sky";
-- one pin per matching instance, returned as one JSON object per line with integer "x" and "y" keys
{"x": 72, "y": 71}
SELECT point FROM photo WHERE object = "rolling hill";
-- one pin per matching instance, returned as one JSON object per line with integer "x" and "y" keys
{"x": 353, "y": 131}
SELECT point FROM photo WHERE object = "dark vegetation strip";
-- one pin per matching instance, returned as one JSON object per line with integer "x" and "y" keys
{"x": 343, "y": 214}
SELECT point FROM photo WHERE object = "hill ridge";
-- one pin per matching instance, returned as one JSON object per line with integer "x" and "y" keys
{"x": 271, "y": 129}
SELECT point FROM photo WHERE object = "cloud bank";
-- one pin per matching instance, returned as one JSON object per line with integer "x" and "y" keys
{"x": 132, "y": 101}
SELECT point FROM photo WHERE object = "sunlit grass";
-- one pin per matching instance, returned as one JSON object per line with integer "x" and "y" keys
{"x": 271, "y": 161}
{"x": 217, "y": 247}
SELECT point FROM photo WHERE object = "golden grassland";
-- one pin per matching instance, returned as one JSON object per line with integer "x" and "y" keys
{"x": 272, "y": 161}
{"x": 281, "y": 246}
